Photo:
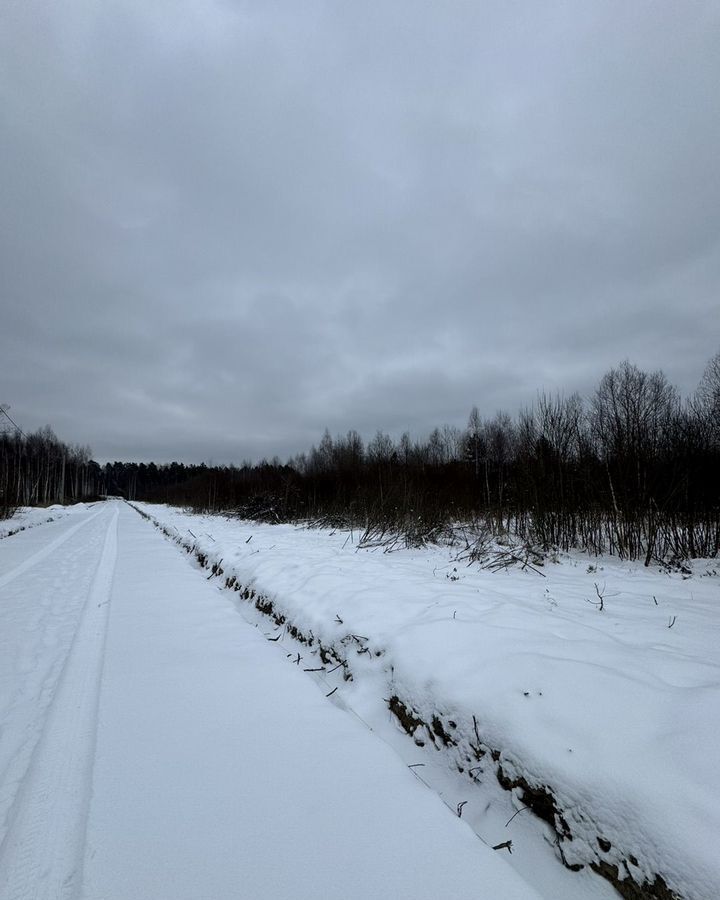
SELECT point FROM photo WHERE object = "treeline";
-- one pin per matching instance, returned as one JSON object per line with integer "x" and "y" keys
{"x": 38, "y": 469}
{"x": 634, "y": 470}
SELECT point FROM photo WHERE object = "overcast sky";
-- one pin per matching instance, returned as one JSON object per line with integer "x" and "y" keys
{"x": 227, "y": 225}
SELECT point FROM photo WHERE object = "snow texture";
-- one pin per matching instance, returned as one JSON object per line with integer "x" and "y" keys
{"x": 156, "y": 745}
{"x": 613, "y": 711}
{"x": 30, "y": 516}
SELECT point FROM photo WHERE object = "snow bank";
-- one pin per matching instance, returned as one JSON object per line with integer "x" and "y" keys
{"x": 30, "y": 516}
{"x": 604, "y": 721}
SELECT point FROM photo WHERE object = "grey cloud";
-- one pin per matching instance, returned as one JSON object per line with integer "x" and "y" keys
{"x": 226, "y": 225}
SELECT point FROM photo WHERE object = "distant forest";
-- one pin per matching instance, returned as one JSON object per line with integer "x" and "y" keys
{"x": 634, "y": 470}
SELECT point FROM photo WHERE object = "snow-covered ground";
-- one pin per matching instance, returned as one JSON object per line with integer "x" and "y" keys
{"x": 605, "y": 721}
{"x": 155, "y": 745}
{"x": 29, "y": 516}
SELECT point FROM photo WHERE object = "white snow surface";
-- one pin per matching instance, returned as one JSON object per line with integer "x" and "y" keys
{"x": 30, "y": 516}
{"x": 616, "y": 711}
{"x": 153, "y": 744}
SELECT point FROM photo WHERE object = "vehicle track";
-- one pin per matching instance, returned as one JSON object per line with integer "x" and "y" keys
{"x": 44, "y": 552}
{"x": 41, "y": 856}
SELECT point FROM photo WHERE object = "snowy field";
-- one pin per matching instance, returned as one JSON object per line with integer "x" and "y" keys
{"x": 603, "y": 720}
{"x": 275, "y": 712}
{"x": 153, "y": 744}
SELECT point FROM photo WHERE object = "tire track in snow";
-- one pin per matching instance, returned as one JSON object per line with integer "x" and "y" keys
{"x": 44, "y": 552}
{"x": 41, "y": 857}
{"x": 41, "y": 612}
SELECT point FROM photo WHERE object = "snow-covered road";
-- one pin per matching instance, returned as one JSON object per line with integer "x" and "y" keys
{"x": 153, "y": 744}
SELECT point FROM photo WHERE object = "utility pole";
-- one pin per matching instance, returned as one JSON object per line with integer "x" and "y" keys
{"x": 7, "y": 425}
{"x": 9, "y": 431}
